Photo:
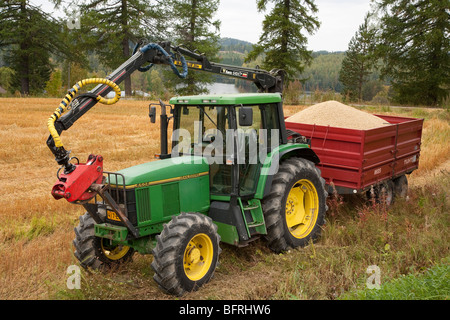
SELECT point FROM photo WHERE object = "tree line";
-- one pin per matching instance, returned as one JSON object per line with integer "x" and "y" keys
{"x": 400, "y": 52}
{"x": 405, "y": 44}
{"x": 36, "y": 47}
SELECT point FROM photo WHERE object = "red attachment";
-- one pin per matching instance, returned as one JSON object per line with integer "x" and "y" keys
{"x": 75, "y": 185}
{"x": 357, "y": 159}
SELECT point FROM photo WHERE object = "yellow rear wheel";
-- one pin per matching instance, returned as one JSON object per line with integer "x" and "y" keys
{"x": 294, "y": 210}
{"x": 302, "y": 208}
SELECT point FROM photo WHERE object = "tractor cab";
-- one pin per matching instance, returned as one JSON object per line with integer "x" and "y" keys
{"x": 234, "y": 133}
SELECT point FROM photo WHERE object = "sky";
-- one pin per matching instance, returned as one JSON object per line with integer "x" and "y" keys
{"x": 240, "y": 19}
{"x": 339, "y": 20}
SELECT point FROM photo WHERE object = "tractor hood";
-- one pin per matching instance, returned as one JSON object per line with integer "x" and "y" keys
{"x": 163, "y": 171}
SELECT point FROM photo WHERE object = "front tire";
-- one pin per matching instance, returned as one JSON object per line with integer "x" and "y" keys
{"x": 186, "y": 254}
{"x": 94, "y": 252}
{"x": 294, "y": 210}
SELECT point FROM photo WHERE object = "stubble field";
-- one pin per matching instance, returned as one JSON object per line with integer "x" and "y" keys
{"x": 36, "y": 231}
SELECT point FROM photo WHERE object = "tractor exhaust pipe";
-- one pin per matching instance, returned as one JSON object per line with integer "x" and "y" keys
{"x": 164, "y": 125}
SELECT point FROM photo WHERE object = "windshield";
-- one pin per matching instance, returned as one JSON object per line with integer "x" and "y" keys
{"x": 206, "y": 131}
{"x": 198, "y": 126}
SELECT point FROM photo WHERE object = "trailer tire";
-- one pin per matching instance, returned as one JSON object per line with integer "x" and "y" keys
{"x": 186, "y": 254}
{"x": 297, "y": 188}
{"x": 401, "y": 187}
{"x": 383, "y": 193}
{"x": 94, "y": 252}
{"x": 387, "y": 193}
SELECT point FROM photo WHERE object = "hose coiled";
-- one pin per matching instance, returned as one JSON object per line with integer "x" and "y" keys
{"x": 154, "y": 46}
{"x": 63, "y": 106}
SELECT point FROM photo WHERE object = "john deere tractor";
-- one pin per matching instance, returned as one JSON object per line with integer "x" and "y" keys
{"x": 233, "y": 174}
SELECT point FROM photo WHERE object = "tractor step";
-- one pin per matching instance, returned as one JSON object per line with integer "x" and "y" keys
{"x": 255, "y": 224}
{"x": 253, "y": 216}
{"x": 250, "y": 207}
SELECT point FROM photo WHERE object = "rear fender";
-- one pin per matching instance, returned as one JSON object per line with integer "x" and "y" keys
{"x": 272, "y": 162}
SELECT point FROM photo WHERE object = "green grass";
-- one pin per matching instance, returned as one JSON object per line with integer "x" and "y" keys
{"x": 29, "y": 229}
{"x": 434, "y": 284}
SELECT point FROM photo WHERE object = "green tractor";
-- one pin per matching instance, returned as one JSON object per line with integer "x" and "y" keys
{"x": 233, "y": 174}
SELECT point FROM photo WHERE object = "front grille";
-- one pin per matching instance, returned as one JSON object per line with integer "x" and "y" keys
{"x": 125, "y": 198}
{"x": 143, "y": 207}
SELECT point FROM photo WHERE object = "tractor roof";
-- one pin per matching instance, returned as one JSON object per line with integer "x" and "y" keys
{"x": 228, "y": 99}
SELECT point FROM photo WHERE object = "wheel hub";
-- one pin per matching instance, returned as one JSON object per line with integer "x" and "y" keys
{"x": 301, "y": 208}
{"x": 195, "y": 255}
{"x": 198, "y": 257}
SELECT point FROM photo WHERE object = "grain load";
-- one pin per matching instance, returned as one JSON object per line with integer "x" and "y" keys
{"x": 335, "y": 114}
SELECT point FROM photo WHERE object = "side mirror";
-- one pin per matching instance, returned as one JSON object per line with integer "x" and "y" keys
{"x": 245, "y": 116}
{"x": 152, "y": 114}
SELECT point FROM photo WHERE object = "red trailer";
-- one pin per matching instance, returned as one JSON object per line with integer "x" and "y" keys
{"x": 353, "y": 161}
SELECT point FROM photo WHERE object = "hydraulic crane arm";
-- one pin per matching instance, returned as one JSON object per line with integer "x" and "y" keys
{"x": 161, "y": 53}
{"x": 264, "y": 80}
{"x": 76, "y": 108}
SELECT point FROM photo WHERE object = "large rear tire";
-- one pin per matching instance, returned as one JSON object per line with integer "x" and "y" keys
{"x": 186, "y": 254}
{"x": 94, "y": 252}
{"x": 294, "y": 210}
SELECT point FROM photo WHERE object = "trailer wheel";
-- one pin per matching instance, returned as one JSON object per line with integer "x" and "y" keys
{"x": 401, "y": 187}
{"x": 94, "y": 252}
{"x": 186, "y": 254}
{"x": 386, "y": 193}
{"x": 383, "y": 193}
{"x": 294, "y": 210}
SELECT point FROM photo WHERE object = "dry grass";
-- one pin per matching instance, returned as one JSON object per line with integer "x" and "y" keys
{"x": 36, "y": 231}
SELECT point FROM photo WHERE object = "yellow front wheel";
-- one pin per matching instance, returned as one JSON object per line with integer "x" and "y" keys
{"x": 198, "y": 257}
{"x": 186, "y": 253}
{"x": 114, "y": 252}
{"x": 94, "y": 252}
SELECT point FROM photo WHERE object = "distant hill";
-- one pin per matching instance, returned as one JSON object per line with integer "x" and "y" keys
{"x": 235, "y": 45}
{"x": 322, "y": 74}
{"x": 233, "y": 51}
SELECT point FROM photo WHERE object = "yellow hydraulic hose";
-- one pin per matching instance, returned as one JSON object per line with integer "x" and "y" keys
{"x": 69, "y": 97}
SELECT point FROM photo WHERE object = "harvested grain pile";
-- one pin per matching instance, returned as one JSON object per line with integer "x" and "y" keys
{"x": 335, "y": 114}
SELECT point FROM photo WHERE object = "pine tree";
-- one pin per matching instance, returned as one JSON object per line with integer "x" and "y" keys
{"x": 283, "y": 42}
{"x": 6, "y": 75}
{"x": 29, "y": 36}
{"x": 414, "y": 45}
{"x": 194, "y": 30}
{"x": 110, "y": 27}
{"x": 359, "y": 61}
{"x": 54, "y": 85}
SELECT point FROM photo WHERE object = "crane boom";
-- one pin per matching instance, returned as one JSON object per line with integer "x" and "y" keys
{"x": 165, "y": 54}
